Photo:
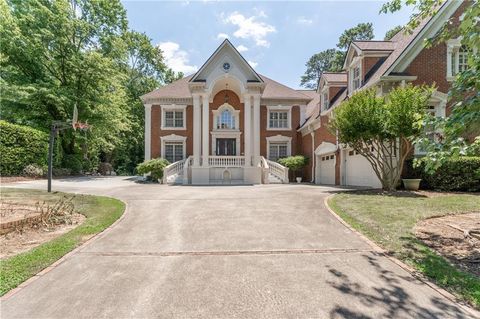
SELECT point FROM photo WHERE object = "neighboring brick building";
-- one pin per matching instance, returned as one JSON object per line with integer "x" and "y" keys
{"x": 383, "y": 65}
{"x": 228, "y": 124}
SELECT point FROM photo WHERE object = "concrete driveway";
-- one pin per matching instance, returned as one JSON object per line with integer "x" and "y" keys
{"x": 267, "y": 251}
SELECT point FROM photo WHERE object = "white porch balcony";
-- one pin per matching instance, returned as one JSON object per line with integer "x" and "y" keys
{"x": 234, "y": 170}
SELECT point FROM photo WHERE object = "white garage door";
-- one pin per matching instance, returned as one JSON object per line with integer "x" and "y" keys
{"x": 326, "y": 169}
{"x": 359, "y": 172}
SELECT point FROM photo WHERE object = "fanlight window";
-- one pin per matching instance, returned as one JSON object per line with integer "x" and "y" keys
{"x": 226, "y": 120}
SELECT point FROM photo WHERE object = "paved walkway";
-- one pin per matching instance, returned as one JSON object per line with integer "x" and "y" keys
{"x": 267, "y": 251}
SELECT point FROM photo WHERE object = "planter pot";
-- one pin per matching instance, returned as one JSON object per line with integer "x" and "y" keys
{"x": 411, "y": 184}
{"x": 299, "y": 179}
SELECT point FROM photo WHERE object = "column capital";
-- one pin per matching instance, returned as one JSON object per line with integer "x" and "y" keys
{"x": 147, "y": 106}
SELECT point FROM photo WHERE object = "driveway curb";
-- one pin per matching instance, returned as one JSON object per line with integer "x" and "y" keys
{"x": 401, "y": 264}
{"x": 64, "y": 257}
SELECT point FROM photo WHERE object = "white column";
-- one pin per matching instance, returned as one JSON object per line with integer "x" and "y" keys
{"x": 312, "y": 134}
{"x": 256, "y": 128}
{"x": 247, "y": 130}
{"x": 206, "y": 130}
{"x": 148, "y": 130}
{"x": 197, "y": 130}
{"x": 449, "y": 61}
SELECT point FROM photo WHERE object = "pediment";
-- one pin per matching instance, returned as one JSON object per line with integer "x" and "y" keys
{"x": 226, "y": 61}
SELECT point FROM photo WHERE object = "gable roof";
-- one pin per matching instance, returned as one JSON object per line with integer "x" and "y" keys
{"x": 273, "y": 90}
{"x": 375, "y": 45}
{"x": 406, "y": 42}
{"x": 224, "y": 44}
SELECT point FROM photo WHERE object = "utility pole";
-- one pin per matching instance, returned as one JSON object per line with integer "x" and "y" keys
{"x": 53, "y": 132}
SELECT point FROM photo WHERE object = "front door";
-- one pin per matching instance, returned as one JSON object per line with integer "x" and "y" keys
{"x": 226, "y": 147}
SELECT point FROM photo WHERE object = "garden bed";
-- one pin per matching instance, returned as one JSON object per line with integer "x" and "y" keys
{"x": 450, "y": 237}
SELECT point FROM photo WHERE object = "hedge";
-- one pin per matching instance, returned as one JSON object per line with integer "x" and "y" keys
{"x": 21, "y": 146}
{"x": 458, "y": 174}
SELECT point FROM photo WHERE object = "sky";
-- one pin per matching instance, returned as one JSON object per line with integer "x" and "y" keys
{"x": 276, "y": 37}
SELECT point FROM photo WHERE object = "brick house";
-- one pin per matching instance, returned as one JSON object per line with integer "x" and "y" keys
{"x": 381, "y": 65}
{"x": 228, "y": 124}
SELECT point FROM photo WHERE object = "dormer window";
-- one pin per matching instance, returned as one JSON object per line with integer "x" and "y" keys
{"x": 356, "y": 80}
{"x": 325, "y": 101}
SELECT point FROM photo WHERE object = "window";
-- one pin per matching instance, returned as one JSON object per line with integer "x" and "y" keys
{"x": 325, "y": 101}
{"x": 173, "y": 151}
{"x": 173, "y": 119}
{"x": 278, "y": 119}
{"x": 356, "y": 80}
{"x": 278, "y": 150}
{"x": 226, "y": 120}
{"x": 457, "y": 58}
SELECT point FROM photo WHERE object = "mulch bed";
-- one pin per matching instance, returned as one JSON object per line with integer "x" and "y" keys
{"x": 454, "y": 237}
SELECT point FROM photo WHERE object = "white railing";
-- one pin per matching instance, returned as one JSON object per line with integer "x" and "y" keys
{"x": 171, "y": 172}
{"x": 265, "y": 170}
{"x": 226, "y": 161}
{"x": 277, "y": 170}
{"x": 186, "y": 170}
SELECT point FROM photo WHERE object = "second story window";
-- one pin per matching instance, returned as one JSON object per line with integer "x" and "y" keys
{"x": 173, "y": 117}
{"x": 226, "y": 120}
{"x": 278, "y": 119}
{"x": 356, "y": 79}
{"x": 457, "y": 58}
{"x": 325, "y": 101}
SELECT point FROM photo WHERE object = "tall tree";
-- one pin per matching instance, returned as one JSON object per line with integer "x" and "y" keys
{"x": 331, "y": 60}
{"x": 362, "y": 31}
{"x": 393, "y": 31}
{"x": 325, "y": 61}
{"x": 462, "y": 126}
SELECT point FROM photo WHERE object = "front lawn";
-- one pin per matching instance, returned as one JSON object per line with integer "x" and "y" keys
{"x": 100, "y": 212}
{"x": 389, "y": 219}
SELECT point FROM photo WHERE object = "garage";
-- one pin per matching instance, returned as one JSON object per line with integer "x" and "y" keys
{"x": 358, "y": 171}
{"x": 325, "y": 160}
{"x": 326, "y": 169}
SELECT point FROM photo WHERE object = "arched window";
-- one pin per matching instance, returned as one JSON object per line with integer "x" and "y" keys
{"x": 226, "y": 120}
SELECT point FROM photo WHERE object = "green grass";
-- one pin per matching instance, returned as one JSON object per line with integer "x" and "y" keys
{"x": 389, "y": 221}
{"x": 100, "y": 212}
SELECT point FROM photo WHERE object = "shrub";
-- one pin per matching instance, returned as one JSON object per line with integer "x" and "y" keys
{"x": 294, "y": 163}
{"x": 61, "y": 172}
{"x": 153, "y": 167}
{"x": 21, "y": 146}
{"x": 456, "y": 174}
{"x": 33, "y": 170}
{"x": 73, "y": 162}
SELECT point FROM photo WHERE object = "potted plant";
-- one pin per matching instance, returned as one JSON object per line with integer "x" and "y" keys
{"x": 411, "y": 180}
{"x": 295, "y": 164}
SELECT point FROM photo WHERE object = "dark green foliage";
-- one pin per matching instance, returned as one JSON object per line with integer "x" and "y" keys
{"x": 153, "y": 167}
{"x": 455, "y": 174}
{"x": 74, "y": 162}
{"x": 294, "y": 163}
{"x": 390, "y": 33}
{"x": 21, "y": 146}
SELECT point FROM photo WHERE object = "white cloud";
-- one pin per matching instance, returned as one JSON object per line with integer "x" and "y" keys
{"x": 304, "y": 21}
{"x": 242, "y": 48}
{"x": 222, "y": 36}
{"x": 253, "y": 64}
{"x": 250, "y": 28}
{"x": 175, "y": 58}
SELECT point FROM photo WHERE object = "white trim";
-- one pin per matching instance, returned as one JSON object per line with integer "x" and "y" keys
{"x": 217, "y": 112}
{"x": 172, "y": 138}
{"x": 356, "y": 63}
{"x": 417, "y": 45}
{"x": 279, "y": 108}
{"x": 325, "y": 148}
{"x": 148, "y": 131}
{"x": 279, "y": 139}
{"x": 174, "y": 108}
